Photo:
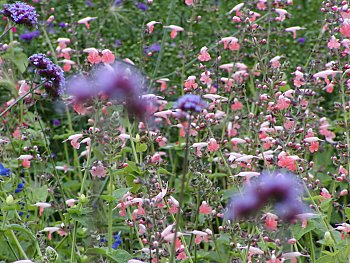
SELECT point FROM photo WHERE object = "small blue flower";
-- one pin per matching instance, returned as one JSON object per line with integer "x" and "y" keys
{"x": 117, "y": 241}
{"x": 4, "y": 171}
{"x": 19, "y": 188}
{"x": 29, "y": 36}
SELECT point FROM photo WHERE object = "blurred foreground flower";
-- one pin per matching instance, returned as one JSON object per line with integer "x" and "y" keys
{"x": 280, "y": 187}
{"x": 121, "y": 82}
{"x": 21, "y": 13}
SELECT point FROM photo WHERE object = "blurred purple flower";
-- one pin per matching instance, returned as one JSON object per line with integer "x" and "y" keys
{"x": 117, "y": 2}
{"x": 56, "y": 122}
{"x": 62, "y": 24}
{"x": 190, "y": 102}
{"x": 121, "y": 82}
{"x": 29, "y": 36}
{"x": 280, "y": 187}
{"x": 155, "y": 47}
{"x": 301, "y": 40}
{"x": 142, "y": 6}
{"x": 89, "y": 3}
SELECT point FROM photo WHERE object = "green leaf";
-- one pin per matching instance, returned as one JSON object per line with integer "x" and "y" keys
{"x": 39, "y": 194}
{"x": 20, "y": 60}
{"x": 141, "y": 147}
{"x": 108, "y": 198}
{"x": 120, "y": 256}
{"x": 130, "y": 182}
{"x": 298, "y": 231}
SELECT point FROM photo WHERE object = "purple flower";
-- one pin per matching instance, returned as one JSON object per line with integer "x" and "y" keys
{"x": 89, "y": 3}
{"x": 21, "y": 13}
{"x": 279, "y": 187}
{"x": 142, "y": 6}
{"x": 51, "y": 74}
{"x": 56, "y": 122}
{"x": 301, "y": 40}
{"x": 62, "y": 24}
{"x": 190, "y": 102}
{"x": 155, "y": 47}
{"x": 29, "y": 36}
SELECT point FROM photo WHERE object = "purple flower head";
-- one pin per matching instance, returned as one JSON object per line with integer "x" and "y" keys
{"x": 121, "y": 82}
{"x": 89, "y": 3}
{"x": 62, "y": 24}
{"x": 21, "y": 13}
{"x": 190, "y": 102}
{"x": 29, "y": 36}
{"x": 301, "y": 40}
{"x": 142, "y": 6}
{"x": 52, "y": 75}
{"x": 279, "y": 187}
{"x": 56, "y": 122}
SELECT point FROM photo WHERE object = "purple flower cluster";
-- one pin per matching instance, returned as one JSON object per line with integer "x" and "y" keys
{"x": 191, "y": 103}
{"x": 29, "y": 36}
{"x": 279, "y": 187}
{"x": 121, "y": 82}
{"x": 51, "y": 74}
{"x": 21, "y": 13}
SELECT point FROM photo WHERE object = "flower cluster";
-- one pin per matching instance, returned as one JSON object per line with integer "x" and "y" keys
{"x": 21, "y": 13}
{"x": 190, "y": 102}
{"x": 280, "y": 187}
{"x": 51, "y": 74}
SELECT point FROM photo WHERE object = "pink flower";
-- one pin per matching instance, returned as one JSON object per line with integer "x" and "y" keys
{"x": 107, "y": 56}
{"x": 86, "y": 21}
{"x": 237, "y": 9}
{"x": 213, "y": 146}
{"x": 285, "y": 161}
{"x": 204, "y": 55}
{"x": 190, "y": 83}
{"x": 163, "y": 83}
{"x": 42, "y": 206}
{"x": 67, "y": 64}
{"x": 230, "y": 43}
{"x": 71, "y": 202}
{"x": 174, "y": 30}
{"x": 333, "y": 43}
{"x": 98, "y": 170}
{"x": 261, "y": 5}
{"x": 281, "y": 14}
{"x": 275, "y": 62}
{"x": 74, "y": 140}
{"x": 237, "y": 105}
{"x": 150, "y": 26}
{"x": 25, "y": 160}
{"x": 271, "y": 221}
{"x": 294, "y": 30}
{"x": 189, "y": 2}
{"x": 345, "y": 28}
{"x": 325, "y": 194}
{"x": 205, "y": 208}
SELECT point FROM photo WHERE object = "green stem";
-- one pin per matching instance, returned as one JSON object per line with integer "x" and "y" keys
{"x": 21, "y": 251}
{"x": 184, "y": 172}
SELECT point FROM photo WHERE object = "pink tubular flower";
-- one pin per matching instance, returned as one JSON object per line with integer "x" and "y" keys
{"x": 325, "y": 74}
{"x": 189, "y": 2}
{"x": 230, "y": 43}
{"x": 204, "y": 55}
{"x": 333, "y": 43}
{"x": 190, "y": 83}
{"x": 107, "y": 56}
{"x": 237, "y": 9}
{"x": 174, "y": 30}
{"x": 275, "y": 62}
{"x": 74, "y": 140}
{"x": 213, "y": 146}
{"x": 42, "y": 206}
{"x": 271, "y": 221}
{"x": 25, "y": 160}
{"x": 86, "y": 21}
{"x": 150, "y": 26}
{"x": 294, "y": 30}
{"x": 261, "y": 5}
{"x": 205, "y": 208}
{"x": 200, "y": 236}
{"x": 325, "y": 194}
{"x": 345, "y": 28}
{"x": 285, "y": 161}
{"x": 98, "y": 170}
{"x": 67, "y": 64}
{"x": 281, "y": 14}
